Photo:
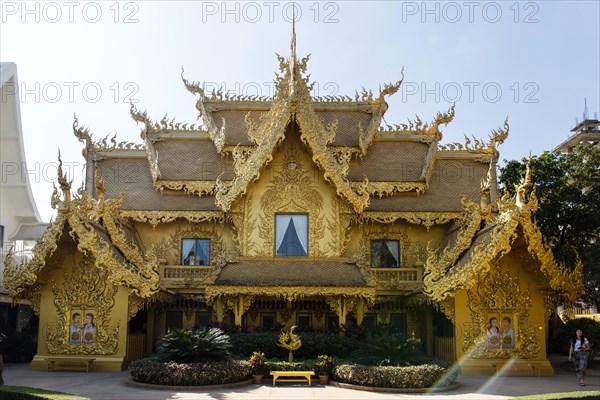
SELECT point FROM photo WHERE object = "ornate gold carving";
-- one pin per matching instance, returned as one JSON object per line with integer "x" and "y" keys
{"x": 290, "y": 292}
{"x": 105, "y": 145}
{"x": 162, "y": 217}
{"x": 194, "y": 277}
{"x": 199, "y": 188}
{"x": 427, "y": 219}
{"x": 418, "y": 127}
{"x": 440, "y": 261}
{"x": 291, "y": 191}
{"x": 82, "y": 215}
{"x": 366, "y": 138}
{"x": 448, "y": 308}
{"x": 216, "y": 134}
{"x": 290, "y": 341}
{"x": 381, "y": 188}
{"x": 444, "y": 277}
{"x": 339, "y": 226}
{"x": 292, "y": 100}
{"x": 87, "y": 288}
{"x": 163, "y": 126}
{"x": 135, "y": 305}
{"x": 244, "y": 223}
{"x": 498, "y": 293}
{"x": 478, "y": 146}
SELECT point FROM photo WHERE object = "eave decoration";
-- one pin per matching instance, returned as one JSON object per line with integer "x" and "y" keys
{"x": 96, "y": 227}
{"x": 449, "y": 270}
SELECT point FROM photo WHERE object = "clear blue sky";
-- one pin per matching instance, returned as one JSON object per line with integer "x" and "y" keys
{"x": 544, "y": 57}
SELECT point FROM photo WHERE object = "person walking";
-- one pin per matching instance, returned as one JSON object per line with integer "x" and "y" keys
{"x": 578, "y": 353}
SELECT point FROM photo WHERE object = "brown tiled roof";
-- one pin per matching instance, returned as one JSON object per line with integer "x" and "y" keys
{"x": 347, "y": 129}
{"x": 284, "y": 272}
{"x": 235, "y": 125}
{"x": 391, "y": 161}
{"x": 452, "y": 178}
{"x": 190, "y": 159}
{"x": 131, "y": 176}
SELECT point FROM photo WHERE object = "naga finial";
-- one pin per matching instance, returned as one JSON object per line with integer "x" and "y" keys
{"x": 65, "y": 185}
{"x": 524, "y": 187}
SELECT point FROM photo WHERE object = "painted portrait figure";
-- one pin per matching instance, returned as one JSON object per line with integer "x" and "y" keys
{"x": 89, "y": 329}
{"x": 508, "y": 334}
{"x": 493, "y": 334}
{"x": 75, "y": 330}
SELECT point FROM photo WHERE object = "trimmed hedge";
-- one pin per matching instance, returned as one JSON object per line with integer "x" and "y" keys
{"x": 313, "y": 345}
{"x": 29, "y": 393}
{"x": 412, "y": 377}
{"x": 195, "y": 374}
{"x": 304, "y": 365}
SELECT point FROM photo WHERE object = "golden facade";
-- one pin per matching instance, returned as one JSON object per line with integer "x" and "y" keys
{"x": 293, "y": 207}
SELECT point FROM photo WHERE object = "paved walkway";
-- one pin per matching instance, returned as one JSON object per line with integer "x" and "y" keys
{"x": 111, "y": 386}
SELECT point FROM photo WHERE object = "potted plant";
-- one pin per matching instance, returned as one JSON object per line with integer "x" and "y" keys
{"x": 323, "y": 367}
{"x": 259, "y": 366}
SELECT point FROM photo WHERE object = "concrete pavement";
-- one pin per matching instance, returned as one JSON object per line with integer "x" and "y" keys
{"x": 111, "y": 386}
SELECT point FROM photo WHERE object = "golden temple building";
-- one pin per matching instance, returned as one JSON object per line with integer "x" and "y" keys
{"x": 294, "y": 210}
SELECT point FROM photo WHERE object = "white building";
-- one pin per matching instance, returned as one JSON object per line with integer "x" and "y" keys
{"x": 20, "y": 222}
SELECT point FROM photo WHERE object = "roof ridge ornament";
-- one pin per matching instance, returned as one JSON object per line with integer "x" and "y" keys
{"x": 292, "y": 61}
{"x": 523, "y": 189}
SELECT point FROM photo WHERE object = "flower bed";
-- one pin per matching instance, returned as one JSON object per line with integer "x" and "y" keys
{"x": 193, "y": 374}
{"x": 412, "y": 377}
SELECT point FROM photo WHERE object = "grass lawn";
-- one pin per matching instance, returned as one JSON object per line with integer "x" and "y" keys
{"x": 593, "y": 394}
{"x": 28, "y": 393}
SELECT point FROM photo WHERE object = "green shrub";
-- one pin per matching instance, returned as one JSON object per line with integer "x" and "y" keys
{"x": 590, "y": 328}
{"x": 28, "y": 393}
{"x": 304, "y": 365}
{"x": 245, "y": 344}
{"x": 313, "y": 344}
{"x": 390, "y": 350}
{"x": 413, "y": 377}
{"x": 193, "y": 374}
{"x": 187, "y": 345}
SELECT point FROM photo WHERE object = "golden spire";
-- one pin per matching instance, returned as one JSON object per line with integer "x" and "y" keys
{"x": 292, "y": 61}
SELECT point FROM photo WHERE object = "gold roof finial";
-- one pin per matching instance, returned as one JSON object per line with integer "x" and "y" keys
{"x": 524, "y": 187}
{"x": 292, "y": 61}
{"x": 65, "y": 185}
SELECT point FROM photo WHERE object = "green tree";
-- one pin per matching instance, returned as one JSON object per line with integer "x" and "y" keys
{"x": 568, "y": 190}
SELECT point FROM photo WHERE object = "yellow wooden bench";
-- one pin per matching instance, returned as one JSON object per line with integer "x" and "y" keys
{"x": 305, "y": 375}
{"x": 53, "y": 361}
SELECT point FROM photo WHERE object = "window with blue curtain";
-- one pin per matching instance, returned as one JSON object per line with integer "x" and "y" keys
{"x": 385, "y": 254}
{"x": 291, "y": 235}
{"x": 195, "y": 252}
